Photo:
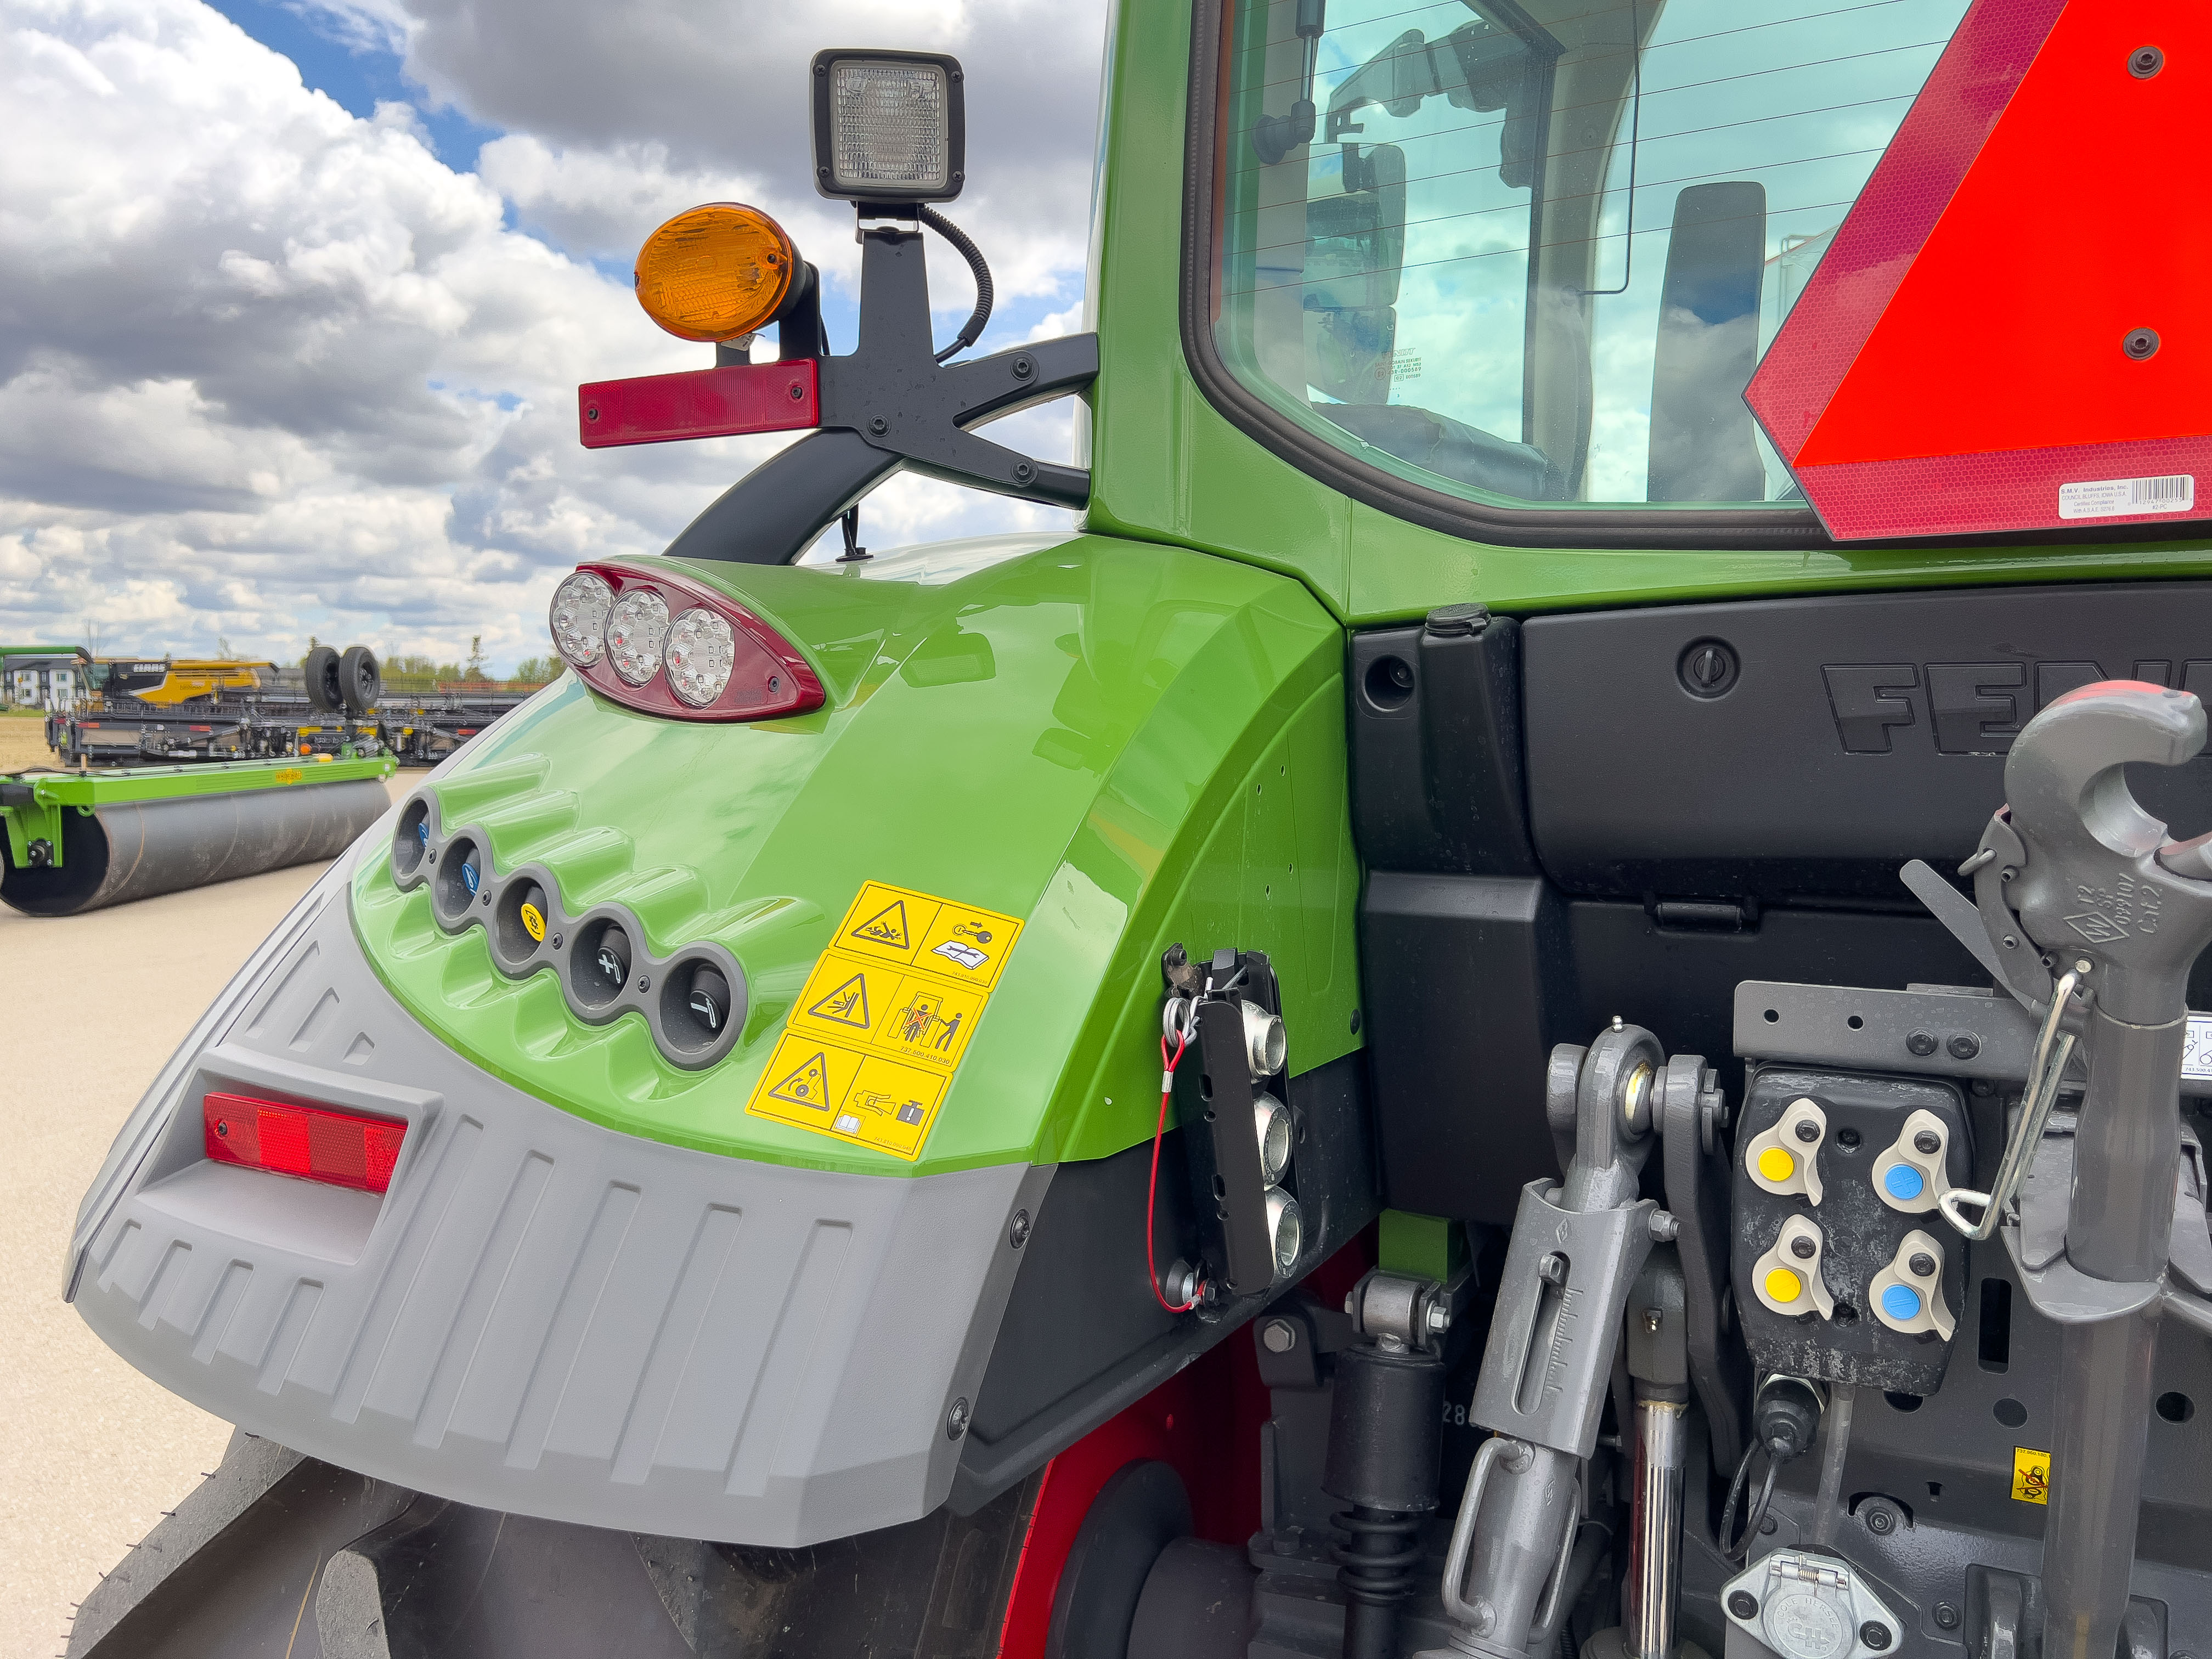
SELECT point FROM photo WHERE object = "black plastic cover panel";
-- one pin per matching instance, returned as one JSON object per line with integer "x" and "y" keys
{"x": 1779, "y": 748}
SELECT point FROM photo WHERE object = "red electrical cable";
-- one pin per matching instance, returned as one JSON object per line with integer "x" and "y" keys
{"x": 1169, "y": 1062}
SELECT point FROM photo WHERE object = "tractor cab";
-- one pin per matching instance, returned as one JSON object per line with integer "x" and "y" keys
{"x": 1534, "y": 998}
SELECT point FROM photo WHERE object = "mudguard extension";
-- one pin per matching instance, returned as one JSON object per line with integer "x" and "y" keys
{"x": 544, "y": 1316}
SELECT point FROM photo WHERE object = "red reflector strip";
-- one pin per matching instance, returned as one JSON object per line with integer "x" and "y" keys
{"x": 313, "y": 1142}
{"x": 707, "y": 403}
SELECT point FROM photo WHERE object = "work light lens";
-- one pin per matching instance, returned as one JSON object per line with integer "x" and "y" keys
{"x": 702, "y": 648}
{"x": 889, "y": 127}
{"x": 635, "y": 635}
{"x": 578, "y": 618}
{"x": 715, "y": 272}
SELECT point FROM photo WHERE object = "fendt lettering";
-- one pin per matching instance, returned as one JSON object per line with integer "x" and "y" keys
{"x": 1970, "y": 707}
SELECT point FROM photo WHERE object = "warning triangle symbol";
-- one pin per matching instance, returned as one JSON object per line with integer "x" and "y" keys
{"x": 807, "y": 1085}
{"x": 847, "y": 1005}
{"x": 887, "y": 926}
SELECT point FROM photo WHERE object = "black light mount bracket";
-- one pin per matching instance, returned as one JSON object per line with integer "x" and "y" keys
{"x": 890, "y": 407}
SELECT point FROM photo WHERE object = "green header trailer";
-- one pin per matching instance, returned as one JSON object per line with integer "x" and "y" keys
{"x": 1533, "y": 999}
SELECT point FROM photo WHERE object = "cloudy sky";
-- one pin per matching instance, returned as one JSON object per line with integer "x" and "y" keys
{"x": 294, "y": 295}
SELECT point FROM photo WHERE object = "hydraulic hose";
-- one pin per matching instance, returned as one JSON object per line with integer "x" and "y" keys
{"x": 972, "y": 330}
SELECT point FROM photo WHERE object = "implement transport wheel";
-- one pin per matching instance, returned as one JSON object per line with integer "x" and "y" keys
{"x": 324, "y": 692}
{"x": 359, "y": 680}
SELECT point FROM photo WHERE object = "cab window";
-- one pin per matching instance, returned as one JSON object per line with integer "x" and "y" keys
{"x": 1530, "y": 254}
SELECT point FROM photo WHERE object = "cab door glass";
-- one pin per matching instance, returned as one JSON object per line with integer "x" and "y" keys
{"x": 1532, "y": 252}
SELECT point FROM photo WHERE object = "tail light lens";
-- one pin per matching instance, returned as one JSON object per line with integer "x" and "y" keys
{"x": 316, "y": 1143}
{"x": 664, "y": 646}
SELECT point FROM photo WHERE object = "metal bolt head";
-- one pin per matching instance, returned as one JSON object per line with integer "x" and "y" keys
{"x": 1922, "y": 1264}
{"x": 1964, "y": 1045}
{"x": 796, "y": 392}
{"x": 1946, "y": 1616}
{"x": 1743, "y": 1604}
{"x": 1552, "y": 1268}
{"x": 1880, "y": 1520}
{"x": 1807, "y": 1130}
{"x": 1874, "y": 1635}
{"x": 1653, "y": 1319}
{"x": 1024, "y": 367}
{"x": 1927, "y": 1143}
{"x": 645, "y": 982}
{"x": 1922, "y": 1043}
{"x": 955, "y": 1421}
{"x": 2141, "y": 343}
{"x": 1802, "y": 1247}
{"x": 1278, "y": 1336}
{"x": 1439, "y": 1318}
{"x": 879, "y": 426}
{"x": 556, "y": 941}
{"x": 1017, "y": 1231}
{"x": 2145, "y": 61}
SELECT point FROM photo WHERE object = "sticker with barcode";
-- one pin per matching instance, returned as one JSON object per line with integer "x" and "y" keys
{"x": 2112, "y": 498}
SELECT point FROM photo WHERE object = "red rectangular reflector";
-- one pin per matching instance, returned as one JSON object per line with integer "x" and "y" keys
{"x": 706, "y": 402}
{"x": 316, "y": 1143}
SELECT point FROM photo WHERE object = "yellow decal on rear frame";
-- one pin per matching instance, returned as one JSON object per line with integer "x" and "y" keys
{"x": 2030, "y": 1475}
{"x": 871, "y": 1045}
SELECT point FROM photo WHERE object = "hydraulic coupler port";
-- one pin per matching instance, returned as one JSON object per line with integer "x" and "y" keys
{"x": 1785, "y": 1160}
{"x": 1907, "y": 1296}
{"x": 1787, "y": 1279}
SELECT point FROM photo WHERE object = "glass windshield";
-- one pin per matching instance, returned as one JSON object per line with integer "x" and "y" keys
{"x": 1534, "y": 252}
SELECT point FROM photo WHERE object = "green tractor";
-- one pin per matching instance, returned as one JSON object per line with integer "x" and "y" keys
{"x": 1521, "y": 1005}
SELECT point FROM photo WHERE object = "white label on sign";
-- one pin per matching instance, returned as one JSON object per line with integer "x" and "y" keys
{"x": 2109, "y": 498}
{"x": 2196, "y": 1048}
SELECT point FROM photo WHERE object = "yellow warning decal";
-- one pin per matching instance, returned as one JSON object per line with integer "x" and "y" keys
{"x": 288, "y": 774}
{"x": 887, "y": 1011}
{"x": 2030, "y": 1475}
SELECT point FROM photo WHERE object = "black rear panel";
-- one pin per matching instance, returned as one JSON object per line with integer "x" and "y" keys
{"x": 1626, "y": 812}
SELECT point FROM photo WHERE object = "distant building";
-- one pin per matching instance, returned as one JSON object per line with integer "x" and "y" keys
{"x": 48, "y": 677}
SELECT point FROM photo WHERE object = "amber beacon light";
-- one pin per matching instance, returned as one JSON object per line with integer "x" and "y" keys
{"x": 715, "y": 272}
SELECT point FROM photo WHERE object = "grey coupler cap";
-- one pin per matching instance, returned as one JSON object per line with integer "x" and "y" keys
{"x": 542, "y": 1316}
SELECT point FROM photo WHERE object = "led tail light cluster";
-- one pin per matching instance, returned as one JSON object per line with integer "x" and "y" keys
{"x": 316, "y": 1143}
{"x": 664, "y": 646}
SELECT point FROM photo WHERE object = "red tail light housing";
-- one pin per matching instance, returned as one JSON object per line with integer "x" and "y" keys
{"x": 315, "y": 1143}
{"x": 768, "y": 678}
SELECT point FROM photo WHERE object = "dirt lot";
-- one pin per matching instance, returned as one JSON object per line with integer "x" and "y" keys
{"x": 94, "y": 1006}
{"x": 23, "y": 742}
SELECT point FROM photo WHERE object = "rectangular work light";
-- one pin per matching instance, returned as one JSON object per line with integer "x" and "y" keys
{"x": 889, "y": 126}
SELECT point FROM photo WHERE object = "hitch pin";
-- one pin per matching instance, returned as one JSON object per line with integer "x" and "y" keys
{"x": 2046, "y": 1072}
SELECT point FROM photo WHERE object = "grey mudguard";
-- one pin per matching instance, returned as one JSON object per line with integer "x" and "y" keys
{"x": 542, "y": 1316}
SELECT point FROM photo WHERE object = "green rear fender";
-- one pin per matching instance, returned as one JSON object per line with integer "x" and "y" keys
{"x": 1121, "y": 743}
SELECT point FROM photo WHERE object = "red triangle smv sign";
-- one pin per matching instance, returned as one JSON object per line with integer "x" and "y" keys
{"x": 2013, "y": 329}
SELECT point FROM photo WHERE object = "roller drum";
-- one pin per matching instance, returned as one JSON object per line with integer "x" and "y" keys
{"x": 137, "y": 849}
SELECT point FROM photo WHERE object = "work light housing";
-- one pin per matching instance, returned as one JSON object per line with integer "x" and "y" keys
{"x": 889, "y": 127}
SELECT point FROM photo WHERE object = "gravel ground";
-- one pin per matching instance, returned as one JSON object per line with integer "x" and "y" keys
{"x": 93, "y": 1006}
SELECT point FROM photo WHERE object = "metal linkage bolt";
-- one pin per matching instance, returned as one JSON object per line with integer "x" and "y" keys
{"x": 1922, "y": 1264}
{"x": 1024, "y": 367}
{"x": 1922, "y": 1043}
{"x": 1439, "y": 1319}
{"x": 1964, "y": 1046}
{"x": 1807, "y": 1131}
{"x": 1552, "y": 1269}
{"x": 1802, "y": 1247}
{"x": 1927, "y": 1143}
{"x": 1875, "y": 1636}
{"x": 1743, "y": 1604}
{"x": 1278, "y": 1336}
{"x": 1946, "y": 1616}
{"x": 1881, "y": 1520}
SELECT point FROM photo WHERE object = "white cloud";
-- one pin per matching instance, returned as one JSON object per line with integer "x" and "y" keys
{"x": 268, "y": 369}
